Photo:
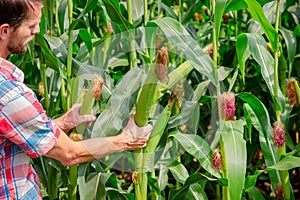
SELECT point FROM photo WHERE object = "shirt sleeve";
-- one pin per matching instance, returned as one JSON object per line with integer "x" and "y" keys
{"x": 24, "y": 122}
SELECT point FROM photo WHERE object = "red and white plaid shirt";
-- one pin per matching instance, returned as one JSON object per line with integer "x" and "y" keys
{"x": 25, "y": 132}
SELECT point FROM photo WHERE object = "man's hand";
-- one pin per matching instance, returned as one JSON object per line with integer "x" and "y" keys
{"x": 72, "y": 118}
{"x": 136, "y": 134}
{"x": 70, "y": 153}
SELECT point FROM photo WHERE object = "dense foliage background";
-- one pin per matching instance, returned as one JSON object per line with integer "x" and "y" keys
{"x": 247, "y": 47}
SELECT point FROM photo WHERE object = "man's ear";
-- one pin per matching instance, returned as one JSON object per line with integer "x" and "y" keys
{"x": 5, "y": 31}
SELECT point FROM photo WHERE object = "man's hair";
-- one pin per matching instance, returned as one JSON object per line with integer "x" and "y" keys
{"x": 13, "y": 12}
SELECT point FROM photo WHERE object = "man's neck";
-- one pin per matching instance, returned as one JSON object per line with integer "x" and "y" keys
{"x": 4, "y": 53}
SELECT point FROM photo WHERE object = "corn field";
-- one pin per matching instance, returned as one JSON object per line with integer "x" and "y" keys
{"x": 217, "y": 79}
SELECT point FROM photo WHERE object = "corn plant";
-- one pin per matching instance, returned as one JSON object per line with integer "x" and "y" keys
{"x": 225, "y": 118}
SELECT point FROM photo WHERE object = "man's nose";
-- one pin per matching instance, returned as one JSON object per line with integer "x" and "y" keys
{"x": 36, "y": 30}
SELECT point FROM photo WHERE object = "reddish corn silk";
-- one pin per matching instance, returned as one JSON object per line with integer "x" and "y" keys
{"x": 279, "y": 134}
{"x": 227, "y": 105}
{"x": 291, "y": 92}
{"x": 217, "y": 160}
{"x": 97, "y": 84}
{"x": 162, "y": 68}
{"x": 279, "y": 192}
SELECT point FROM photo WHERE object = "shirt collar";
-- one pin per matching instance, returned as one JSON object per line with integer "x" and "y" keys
{"x": 10, "y": 70}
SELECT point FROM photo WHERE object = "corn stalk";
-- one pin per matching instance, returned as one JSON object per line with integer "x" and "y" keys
{"x": 132, "y": 53}
{"x": 72, "y": 185}
{"x": 284, "y": 175}
{"x": 143, "y": 107}
{"x": 87, "y": 100}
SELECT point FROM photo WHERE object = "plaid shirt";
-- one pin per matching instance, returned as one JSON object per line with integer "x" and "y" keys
{"x": 25, "y": 132}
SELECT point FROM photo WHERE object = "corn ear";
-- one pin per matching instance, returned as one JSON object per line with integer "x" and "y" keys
{"x": 92, "y": 94}
{"x": 157, "y": 132}
{"x": 145, "y": 99}
{"x": 162, "y": 68}
{"x": 175, "y": 76}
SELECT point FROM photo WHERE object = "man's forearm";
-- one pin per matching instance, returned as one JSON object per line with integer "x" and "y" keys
{"x": 70, "y": 153}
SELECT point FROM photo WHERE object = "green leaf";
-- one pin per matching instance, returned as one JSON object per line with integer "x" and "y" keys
{"x": 85, "y": 36}
{"x": 196, "y": 146}
{"x": 191, "y": 11}
{"x": 169, "y": 10}
{"x": 137, "y": 9}
{"x": 287, "y": 163}
{"x": 248, "y": 121}
{"x": 261, "y": 121}
{"x": 218, "y": 14}
{"x": 258, "y": 49}
{"x": 196, "y": 192}
{"x": 187, "y": 112}
{"x": 251, "y": 180}
{"x": 92, "y": 186}
{"x": 162, "y": 178}
{"x": 90, "y": 5}
{"x": 114, "y": 11}
{"x": 50, "y": 58}
{"x": 191, "y": 188}
{"x": 254, "y": 193}
{"x": 60, "y": 51}
{"x": 257, "y": 13}
{"x": 120, "y": 104}
{"x": 291, "y": 43}
{"x": 242, "y": 51}
{"x": 177, "y": 169}
{"x": 180, "y": 37}
{"x": 232, "y": 5}
{"x": 234, "y": 147}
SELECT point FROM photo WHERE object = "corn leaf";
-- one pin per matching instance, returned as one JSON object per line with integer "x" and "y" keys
{"x": 194, "y": 7}
{"x": 196, "y": 192}
{"x": 114, "y": 11}
{"x": 179, "y": 172}
{"x": 218, "y": 14}
{"x": 287, "y": 163}
{"x": 120, "y": 104}
{"x": 261, "y": 121}
{"x": 60, "y": 51}
{"x": 234, "y": 147}
{"x": 254, "y": 193}
{"x": 251, "y": 180}
{"x": 191, "y": 188}
{"x": 196, "y": 146}
{"x": 180, "y": 37}
{"x": 257, "y": 13}
{"x": 50, "y": 60}
{"x": 137, "y": 9}
{"x": 256, "y": 45}
{"x": 232, "y": 5}
{"x": 291, "y": 43}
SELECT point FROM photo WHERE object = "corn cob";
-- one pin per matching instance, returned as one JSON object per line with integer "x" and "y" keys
{"x": 146, "y": 99}
{"x": 92, "y": 94}
{"x": 158, "y": 130}
{"x": 143, "y": 108}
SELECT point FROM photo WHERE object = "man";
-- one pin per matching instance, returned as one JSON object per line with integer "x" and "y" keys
{"x": 25, "y": 130}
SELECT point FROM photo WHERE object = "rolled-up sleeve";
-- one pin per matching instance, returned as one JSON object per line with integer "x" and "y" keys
{"x": 24, "y": 122}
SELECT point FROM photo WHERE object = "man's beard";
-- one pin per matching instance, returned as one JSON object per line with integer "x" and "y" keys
{"x": 14, "y": 48}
